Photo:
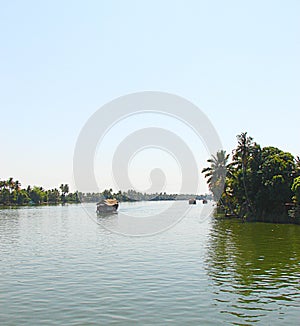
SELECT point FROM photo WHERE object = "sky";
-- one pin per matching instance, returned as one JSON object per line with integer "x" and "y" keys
{"x": 60, "y": 61}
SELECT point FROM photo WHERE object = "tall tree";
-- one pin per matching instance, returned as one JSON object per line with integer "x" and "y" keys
{"x": 11, "y": 185}
{"x": 64, "y": 190}
{"x": 216, "y": 172}
{"x": 241, "y": 158}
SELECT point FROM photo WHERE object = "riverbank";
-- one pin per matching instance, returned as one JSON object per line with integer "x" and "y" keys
{"x": 11, "y": 194}
{"x": 286, "y": 218}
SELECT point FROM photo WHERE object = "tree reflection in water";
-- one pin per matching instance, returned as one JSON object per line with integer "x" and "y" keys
{"x": 255, "y": 269}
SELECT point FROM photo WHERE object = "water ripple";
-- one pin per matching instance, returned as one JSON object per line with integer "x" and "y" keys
{"x": 59, "y": 267}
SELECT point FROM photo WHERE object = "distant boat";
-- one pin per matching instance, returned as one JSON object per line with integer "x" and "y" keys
{"x": 192, "y": 201}
{"x": 204, "y": 201}
{"x": 107, "y": 206}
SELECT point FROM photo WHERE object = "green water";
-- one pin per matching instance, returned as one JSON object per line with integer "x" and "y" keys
{"x": 256, "y": 270}
{"x": 59, "y": 266}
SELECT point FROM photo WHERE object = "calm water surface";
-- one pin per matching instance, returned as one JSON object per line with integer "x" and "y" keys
{"x": 60, "y": 267}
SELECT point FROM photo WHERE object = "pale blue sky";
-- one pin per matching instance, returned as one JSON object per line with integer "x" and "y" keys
{"x": 62, "y": 60}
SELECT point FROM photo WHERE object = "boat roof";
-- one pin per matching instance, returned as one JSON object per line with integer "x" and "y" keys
{"x": 109, "y": 202}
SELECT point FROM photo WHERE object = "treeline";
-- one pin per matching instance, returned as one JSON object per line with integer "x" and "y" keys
{"x": 132, "y": 195}
{"x": 11, "y": 193}
{"x": 258, "y": 184}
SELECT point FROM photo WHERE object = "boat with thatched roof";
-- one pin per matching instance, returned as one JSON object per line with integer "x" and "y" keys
{"x": 107, "y": 206}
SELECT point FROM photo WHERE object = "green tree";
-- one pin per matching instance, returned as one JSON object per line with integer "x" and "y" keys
{"x": 259, "y": 184}
{"x": 37, "y": 195}
{"x": 23, "y": 197}
{"x": 276, "y": 171}
{"x": 11, "y": 185}
{"x": 4, "y": 193}
{"x": 53, "y": 196}
{"x": 107, "y": 194}
{"x": 216, "y": 172}
{"x": 64, "y": 190}
{"x": 241, "y": 159}
{"x": 296, "y": 189}
{"x": 16, "y": 192}
{"x": 294, "y": 212}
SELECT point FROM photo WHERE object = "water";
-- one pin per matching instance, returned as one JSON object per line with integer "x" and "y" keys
{"x": 60, "y": 267}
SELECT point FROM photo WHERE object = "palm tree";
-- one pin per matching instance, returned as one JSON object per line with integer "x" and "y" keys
{"x": 17, "y": 186}
{"x": 2, "y": 188}
{"x": 16, "y": 191}
{"x": 107, "y": 194}
{"x": 64, "y": 190}
{"x": 10, "y": 184}
{"x": 216, "y": 172}
{"x": 241, "y": 156}
{"x": 3, "y": 185}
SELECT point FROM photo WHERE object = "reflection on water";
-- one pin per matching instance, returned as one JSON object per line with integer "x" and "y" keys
{"x": 255, "y": 268}
{"x": 62, "y": 266}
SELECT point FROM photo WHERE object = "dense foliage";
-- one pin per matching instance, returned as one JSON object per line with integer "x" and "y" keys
{"x": 11, "y": 193}
{"x": 261, "y": 184}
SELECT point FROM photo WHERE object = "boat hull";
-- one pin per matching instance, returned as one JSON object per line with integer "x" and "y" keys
{"x": 105, "y": 209}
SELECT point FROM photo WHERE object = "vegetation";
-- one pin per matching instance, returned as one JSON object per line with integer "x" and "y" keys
{"x": 216, "y": 173}
{"x": 261, "y": 184}
{"x": 11, "y": 194}
{"x": 132, "y": 195}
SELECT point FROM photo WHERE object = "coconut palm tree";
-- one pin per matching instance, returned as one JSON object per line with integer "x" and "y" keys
{"x": 17, "y": 186}
{"x": 241, "y": 156}
{"x": 216, "y": 172}
{"x": 10, "y": 184}
{"x": 64, "y": 190}
{"x": 3, "y": 185}
{"x": 2, "y": 191}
